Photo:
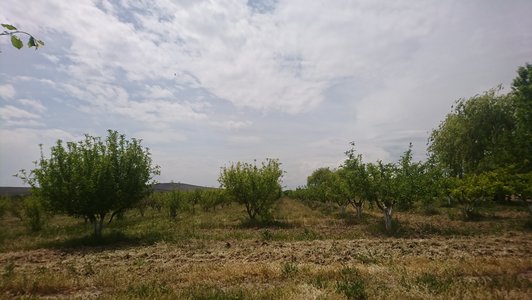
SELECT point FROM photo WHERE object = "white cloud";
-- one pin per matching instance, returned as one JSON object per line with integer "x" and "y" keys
{"x": 23, "y": 149}
{"x": 10, "y": 112}
{"x": 156, "y": 92}
{"x": 244, "y": 140}
{"x": 33, "y": 104}
{"x": 160, "y": 137}
{"x": 232, "y": 124}
{"x": 52, "y": 58}
{"x": 7, "y": 91}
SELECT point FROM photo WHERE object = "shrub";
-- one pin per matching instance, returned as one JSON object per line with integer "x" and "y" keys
{"x": 34, "y": 214}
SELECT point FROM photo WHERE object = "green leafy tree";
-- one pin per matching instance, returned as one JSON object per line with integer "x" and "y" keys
{"x": 257, "y": 187}
{"x": 354, "y": 173}
{"x": 409, "y": 178}
{"x": 336, "y": 189}
{"x": 13, "y": 33}
{"x": 477, "y": 136}
{"x": 93, "y": 178}
{"x": 474, "y": 189}
{"x": 522, "y": 89}
{"x": 34, "y": 214}
{"x": 326, "y": 185}
{"x": 382, "y": 189}
{"x": 317, "y": 183}
{"x": 174, "y": 201}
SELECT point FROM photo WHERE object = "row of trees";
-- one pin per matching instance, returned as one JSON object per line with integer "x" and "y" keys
{"x": 387, "y": 185}
{"x": 99, "y": 180}
{"x": 481, "y": 151}
{"x": 176, "y": 201}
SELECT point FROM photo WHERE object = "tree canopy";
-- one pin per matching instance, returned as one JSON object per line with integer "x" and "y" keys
{"x": 257, "y": 187}
{"x": 93, "y": 178}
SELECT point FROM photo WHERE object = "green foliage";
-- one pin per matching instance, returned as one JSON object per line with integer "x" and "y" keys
{"x": 266, "y": 235}
{"x": 351, "y": 284}
{"x": 327, "y": 185}
{"x": 433, "y": 283}
{"x": 473, "y": 190}
{"x": 354, "y": 173}
{"x": 477, "y": 135}
{"x": 174, "y": 201}
{"x": 13, "y": 32}
{"x": 150, "y": 290}
{"x": 255, "y": 187}
{"x": 93, "y": 178}
{"x": 34, "y": 213}
{"x": 522, "y": 89}
{"x": 289, "y": 269}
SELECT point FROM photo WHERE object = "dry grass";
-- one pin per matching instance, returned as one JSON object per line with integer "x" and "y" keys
{"x": 306, "y": 254}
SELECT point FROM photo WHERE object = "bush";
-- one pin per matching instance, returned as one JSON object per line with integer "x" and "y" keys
{"x": 34, "y": 214}
{"x": 174, "y": 201}
{"x": 256, "y": 187}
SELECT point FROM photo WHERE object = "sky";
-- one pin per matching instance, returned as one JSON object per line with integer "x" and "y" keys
{"x": 208, "y": 83}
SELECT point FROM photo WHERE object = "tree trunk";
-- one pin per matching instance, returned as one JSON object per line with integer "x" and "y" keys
{"x": 98, "y": 225}
{"x": 388, "y": 218}
{"x": 358, "y": 208}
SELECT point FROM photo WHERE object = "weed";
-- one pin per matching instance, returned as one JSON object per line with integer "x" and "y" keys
{"x": 149, "y": 290}
{"x": 433, "y": 283}
{"x": 319, "y": 281}
{"x": 34, "y": 213}
{"x": 351, "y": 284}
{"x": 9, "y": 270}
{"x": 289, "y": 269}
{"x": 266, "y": 235}
{"x": 88, "y": 269}
{"x": 310, "y": 235}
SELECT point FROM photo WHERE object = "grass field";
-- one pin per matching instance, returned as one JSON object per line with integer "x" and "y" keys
{"x": 304, "y": 254}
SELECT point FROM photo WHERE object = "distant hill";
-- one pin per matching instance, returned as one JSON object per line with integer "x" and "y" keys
{"x": 14, "y": 191}
{"x": 8, "y": 191}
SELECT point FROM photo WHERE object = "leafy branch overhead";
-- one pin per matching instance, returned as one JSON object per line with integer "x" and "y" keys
{"x": 13, "y": 32}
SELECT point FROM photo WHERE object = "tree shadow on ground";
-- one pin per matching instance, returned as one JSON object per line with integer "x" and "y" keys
{"x": 111, "y": 240}
{"x": 257, "y": 224}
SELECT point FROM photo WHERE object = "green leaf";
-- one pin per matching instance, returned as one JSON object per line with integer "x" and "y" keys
{"x": 9, "y": 27}
{"x": 16, "y": 42}
{"x": 31, "y": 42}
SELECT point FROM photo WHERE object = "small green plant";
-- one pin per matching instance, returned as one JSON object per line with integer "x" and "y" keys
{"x": 351, "y": 284}
{"x": 9, "y": 270}
{"x": 309, "y": 234}
{"x": 266, "y": 235}
{"x": 149, "y": 290}
{"x": 173, "y": 202}
{"x": 319, "y": 281}
{"x": 34, "y": 213}
{"x": 432, "y": 282}
{"x": 289, "y": 269}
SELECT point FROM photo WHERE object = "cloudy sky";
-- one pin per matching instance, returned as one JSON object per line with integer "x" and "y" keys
{"x": 205, "y": 83}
